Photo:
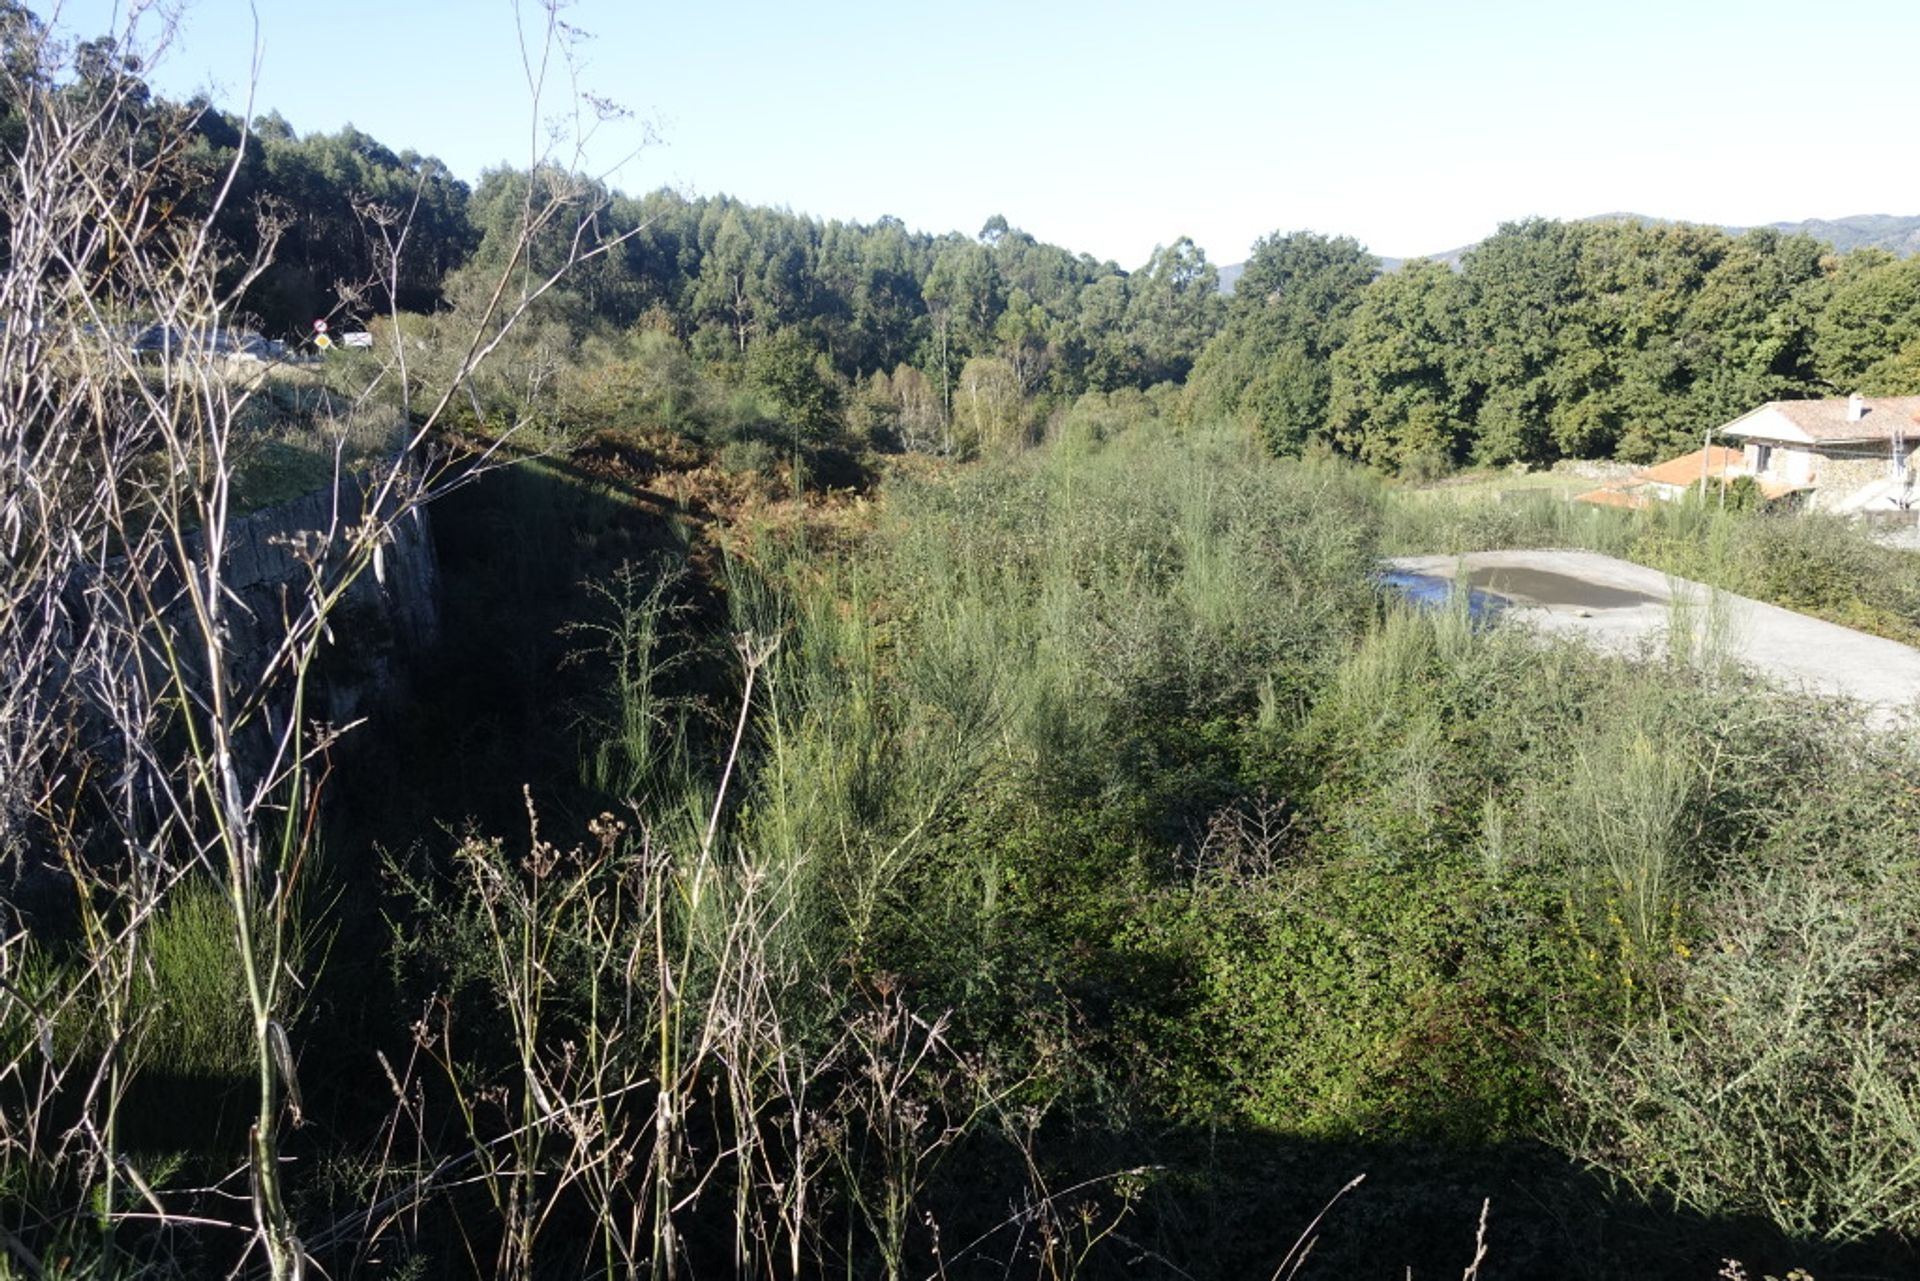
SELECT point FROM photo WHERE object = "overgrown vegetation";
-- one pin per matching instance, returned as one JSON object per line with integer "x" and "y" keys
{"x": 1095, "y": 824}
{"x": 1280, "y": 860}
{"x": 1057, "y": 859}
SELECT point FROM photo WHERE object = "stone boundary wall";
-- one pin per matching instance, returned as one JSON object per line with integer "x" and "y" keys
{"x": 381, "y": 627}
{"x": 384, "y": 620}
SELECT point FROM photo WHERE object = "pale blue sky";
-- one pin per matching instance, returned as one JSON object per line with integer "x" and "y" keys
{"x": 1110, "y": 127}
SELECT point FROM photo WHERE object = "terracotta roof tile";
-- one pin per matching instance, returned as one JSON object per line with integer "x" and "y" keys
{"x": 1686, "y": 469}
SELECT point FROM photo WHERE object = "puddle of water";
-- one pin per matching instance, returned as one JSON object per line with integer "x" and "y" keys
{"x": 1430, "y": 591}
{"x": 1544, "y": 587}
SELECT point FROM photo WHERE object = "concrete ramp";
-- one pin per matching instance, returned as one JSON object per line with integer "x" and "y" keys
{"x": 1624, "y": 607}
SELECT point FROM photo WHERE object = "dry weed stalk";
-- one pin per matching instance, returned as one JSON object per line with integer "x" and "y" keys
{"x": 673, "y": 1083}
{"x": 155, "y": 723}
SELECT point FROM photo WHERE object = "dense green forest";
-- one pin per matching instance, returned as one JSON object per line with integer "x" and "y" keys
{"x": 1592, "y": 339}
{"x": 1553, "y": 340}
{"x": 914, "y": 773}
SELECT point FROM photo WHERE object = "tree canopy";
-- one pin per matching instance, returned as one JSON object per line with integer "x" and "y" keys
{"x": 1590, "y": 339}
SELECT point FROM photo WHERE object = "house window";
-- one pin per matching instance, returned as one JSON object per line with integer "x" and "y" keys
{"x": 1762, "y": 457}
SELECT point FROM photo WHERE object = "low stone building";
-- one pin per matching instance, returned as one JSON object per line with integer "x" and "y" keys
{"x": 1846, "y": 455}
{"x": 1672, "y": 479}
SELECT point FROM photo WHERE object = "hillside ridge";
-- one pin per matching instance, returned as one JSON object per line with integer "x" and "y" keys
{"x": 1898, "y": 234}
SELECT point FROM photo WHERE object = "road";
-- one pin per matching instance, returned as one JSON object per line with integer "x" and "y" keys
{"x": 1621, "y": 606}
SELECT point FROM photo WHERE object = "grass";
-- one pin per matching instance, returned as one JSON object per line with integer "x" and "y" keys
{"x": 1098, "y": 842}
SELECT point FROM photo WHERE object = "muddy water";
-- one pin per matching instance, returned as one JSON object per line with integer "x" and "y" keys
{"x": 1544, "y": 587}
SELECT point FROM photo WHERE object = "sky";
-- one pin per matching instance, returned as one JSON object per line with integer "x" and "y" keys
{"x": 1111, "y": 127}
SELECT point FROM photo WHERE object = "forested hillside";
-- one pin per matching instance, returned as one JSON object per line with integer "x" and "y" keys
{"x": 1605, "y": 338}
{"x": 1897, "y": 236}
{"x": 775, "y": 748}
{"x": 716, "y": 274}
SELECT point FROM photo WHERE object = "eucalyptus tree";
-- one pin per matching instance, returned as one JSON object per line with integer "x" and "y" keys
{"x": 1174, "y": 306}
{"x": 1096, "y": 352}
{"x": 963, "y": 299}
{"x": 329, "y": 195}
{"x": 966, "y": 291}
{"x": 726, "y": 292}
{"x": 890, "y": 315}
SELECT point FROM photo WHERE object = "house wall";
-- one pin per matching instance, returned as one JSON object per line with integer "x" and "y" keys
{"x": 1836, "y": 471}
{"x": 1793, "y": 464}
{"x": 1841, "y": 474}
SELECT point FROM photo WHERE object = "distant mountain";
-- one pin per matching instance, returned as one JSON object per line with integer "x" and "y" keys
{"x": 1899, "y": 236}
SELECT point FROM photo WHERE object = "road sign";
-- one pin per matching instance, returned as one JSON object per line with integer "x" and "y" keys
{"x": 319, "y": 326}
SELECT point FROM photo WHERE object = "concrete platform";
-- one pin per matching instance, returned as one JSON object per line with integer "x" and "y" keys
{"x": 1624, "y": 607}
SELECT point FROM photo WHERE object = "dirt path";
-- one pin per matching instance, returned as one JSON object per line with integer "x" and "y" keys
{"x": 1626, "y": 607}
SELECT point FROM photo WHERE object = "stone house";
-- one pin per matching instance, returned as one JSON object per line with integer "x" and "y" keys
{"x": 1848, "y": 455}
{"x": 1667, "y": 481}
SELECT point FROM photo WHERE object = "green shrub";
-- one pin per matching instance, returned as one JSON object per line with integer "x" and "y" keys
{"x": 1112, "y": 750}
{"x": 190, "y": 995}
{"x": 1343, "y": 1001}
{"x": 644, "y": 380}
{"x": 753, "y": 458}
{"x": 1781, "y": 1077}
